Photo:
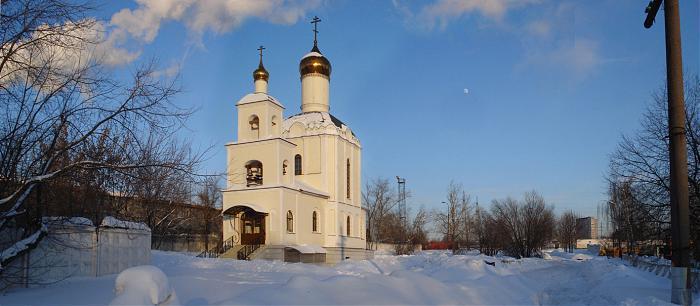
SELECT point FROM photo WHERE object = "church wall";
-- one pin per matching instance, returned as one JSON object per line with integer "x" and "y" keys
{"x": 276, "y": 202}
{"x": 302, "y": 207}
{"x": 338, "y": 175}
{"x": 265, "y": 111}
{"x": 337, "y": 234}
{"x": 270, "y": 153}
{"x": 312, "y": 151}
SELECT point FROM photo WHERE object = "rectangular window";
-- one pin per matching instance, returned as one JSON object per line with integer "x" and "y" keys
{"x": 347, "y": 178}
{"x": 248, "y": 229}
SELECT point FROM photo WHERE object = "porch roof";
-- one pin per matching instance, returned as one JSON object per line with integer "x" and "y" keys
{"x": 243, "y": 206}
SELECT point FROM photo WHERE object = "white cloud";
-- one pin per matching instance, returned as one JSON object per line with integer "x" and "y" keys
{"x": 579, "y": 57}
{"x": 169, "y": 72}
{"x": 551, "y": 41}
{"x": 541, "y": 28}
{"x": 442, "y": 12}
{"x": 583, "y": 56}
{"x": 218, "y": 16}
{"x": 547, "y": 33}
{"x": 64, "y": 49}
{"x": 120, "y": 40}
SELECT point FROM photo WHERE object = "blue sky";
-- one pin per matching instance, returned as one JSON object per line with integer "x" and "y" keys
{"x": 552, "y": 85}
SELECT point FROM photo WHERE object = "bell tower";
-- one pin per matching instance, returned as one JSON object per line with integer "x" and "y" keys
{"x": 259, "y": 114}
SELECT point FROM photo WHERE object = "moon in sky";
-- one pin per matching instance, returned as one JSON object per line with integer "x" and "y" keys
{"x": 466, "y": 91}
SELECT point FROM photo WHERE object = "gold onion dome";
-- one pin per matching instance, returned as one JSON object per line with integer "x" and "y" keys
{"x": 261, "y": 73}
{"x": 315, "y": 62}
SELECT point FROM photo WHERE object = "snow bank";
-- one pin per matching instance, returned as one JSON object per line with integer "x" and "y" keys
{"x": 431, "y": 278}
{"x": 110, "y": 221}
{"x": 143, "y": 285}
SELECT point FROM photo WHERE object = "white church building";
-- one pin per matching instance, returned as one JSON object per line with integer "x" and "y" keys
{"x": 293, "y": 185}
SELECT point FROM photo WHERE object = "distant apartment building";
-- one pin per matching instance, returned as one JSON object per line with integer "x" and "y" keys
{"x": 587, "y": 228}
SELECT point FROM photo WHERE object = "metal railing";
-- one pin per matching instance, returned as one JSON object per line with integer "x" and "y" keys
{"x": 245, "y": 252}
{"x": 217, "y": 250}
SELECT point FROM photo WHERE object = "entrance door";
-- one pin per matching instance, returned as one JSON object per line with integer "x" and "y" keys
{"x": 253, "y": 228}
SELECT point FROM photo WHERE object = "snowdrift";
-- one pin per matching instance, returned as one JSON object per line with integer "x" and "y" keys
{"x": 143, "y": 285}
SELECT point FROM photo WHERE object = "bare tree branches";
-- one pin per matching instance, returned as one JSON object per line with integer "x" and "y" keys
{"x": 384, "y": 224}
{"x": 639, "y": 206}
{"x": 566, "y": 230}
{"x": 454, "y": 222}
{"x": 523, "y": 227}
{"x": 379, "y": 199}
{"x": 69, "y": 124}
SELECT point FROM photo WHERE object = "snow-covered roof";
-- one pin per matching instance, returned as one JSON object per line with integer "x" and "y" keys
{"x": 67, "y": 221}
{"x": 254, "y": 207}
{"x": 257, "y": 97}
{"x": 298, "y": 186}
{"x": 308, "y": 248}
{"x": 312, "y": 53}
{"x": 110, "y": 221}
{"x": 319, "y": 123}
{"x": 304, "y": 187}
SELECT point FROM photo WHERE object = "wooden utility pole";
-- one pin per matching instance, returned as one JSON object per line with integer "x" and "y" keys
{"x": 680, "y": 223}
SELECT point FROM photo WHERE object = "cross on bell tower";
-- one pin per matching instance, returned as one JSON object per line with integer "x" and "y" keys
{"x": 315, "y": 21}
{"x": 261, "y": 53}
{"x": 260, "y": 75}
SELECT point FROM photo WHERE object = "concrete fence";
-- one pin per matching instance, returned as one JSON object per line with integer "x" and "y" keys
{"x": 661, "y": 267}
{"x": 78, "y": 249}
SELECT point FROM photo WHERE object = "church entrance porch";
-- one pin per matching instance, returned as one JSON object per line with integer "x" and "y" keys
{"x": 244, "y": 224}
{"x": 252, "y": 228}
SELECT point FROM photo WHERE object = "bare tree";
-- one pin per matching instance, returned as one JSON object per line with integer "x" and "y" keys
{"x": 453, "y": 222}
{"x": 506, "y": 215}
{"x": 639, "y": 173}
{"x": 418, "y": 233}
{"x": 566, "y": 230}
{"x": 538, "y": 222}
{"x": 524, "y": 227}
{"x": 415, "y": 233}
{"x": 61, "y": 107}
{"x": 210, "y": 196}
{"x": 210, "y": 193}
{"x": 379, "y": 199}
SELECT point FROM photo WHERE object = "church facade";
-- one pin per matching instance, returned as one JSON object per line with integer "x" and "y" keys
{"x": 293, "y": 185}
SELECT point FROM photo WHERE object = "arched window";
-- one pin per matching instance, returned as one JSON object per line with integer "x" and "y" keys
{"x": 254, "y": 126}
{"x": 297, "y": 164}
{"x": 347, "y": 227}
{"x": 290, "y": 221}
{"x": 284, "y": 167}
{"x": 254, "y": 173}
{"x": 314, "y": 222}
{"x": 347, "y": 178}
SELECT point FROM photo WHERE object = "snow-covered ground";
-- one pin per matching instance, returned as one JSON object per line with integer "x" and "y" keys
{"x": 427, "y": 278}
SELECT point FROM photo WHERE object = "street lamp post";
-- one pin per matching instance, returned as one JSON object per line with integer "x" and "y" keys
{"x": 680, "y": 229}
